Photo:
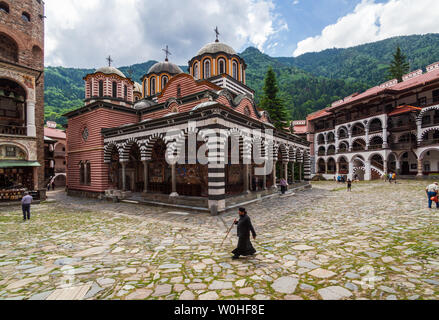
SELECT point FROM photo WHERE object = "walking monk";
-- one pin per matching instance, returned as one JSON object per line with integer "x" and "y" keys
{"x": 245, "y": 247}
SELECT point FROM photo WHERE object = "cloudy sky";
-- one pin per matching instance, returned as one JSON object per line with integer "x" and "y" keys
{"x": 82, "y": 33}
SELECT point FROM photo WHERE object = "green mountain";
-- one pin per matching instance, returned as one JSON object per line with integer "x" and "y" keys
{"x": 307, "y": 83}
{"x": 368, "y": 62}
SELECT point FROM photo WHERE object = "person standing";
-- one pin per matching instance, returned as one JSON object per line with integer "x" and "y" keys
{"x": 25, "y": 205}
{"x": 394, "y": 177}
{"x": 349, "y": 185}
{"x": 432, "y": 191}
{"x": 283, "y": 185}
{"x": 245, "y": 247}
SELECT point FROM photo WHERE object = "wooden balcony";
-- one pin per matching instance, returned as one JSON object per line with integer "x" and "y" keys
{"x": 13, "y": 130}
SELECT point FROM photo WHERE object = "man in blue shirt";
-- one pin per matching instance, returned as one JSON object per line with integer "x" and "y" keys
{"x": 25, "y": 205}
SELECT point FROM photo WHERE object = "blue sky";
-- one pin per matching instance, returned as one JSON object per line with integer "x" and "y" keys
{"x": 82, "y": 33}
{"x": 307, "y": 18}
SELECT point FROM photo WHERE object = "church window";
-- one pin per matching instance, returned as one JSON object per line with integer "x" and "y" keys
{"x": 178, "y": 91}
{"x": 125, "y": 92}
{"x": 81, "y": 173}
{"x": 8, "y": 48}
{"x": 235, "y": 70}
{"x": 85, "y": 134}
{"x": 101, "y": 88}
{"x": 4, "y": 7}
{"x": 247, "y": 111}
{"x": 196, "y": 70}
{"x": 114, "y": 89}
{"x": 145, "y": 88}
{"x": 207, "y": 69}
{"x": 221, "y": 66}
{"x": 25, "y": 17}
{"x": 152, "y": 86}
{"x": 164, "y": 81}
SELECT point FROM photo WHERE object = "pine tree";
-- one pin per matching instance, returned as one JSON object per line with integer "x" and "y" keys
{"x": 399, "y": 66}
{"x": 270, "y": 101}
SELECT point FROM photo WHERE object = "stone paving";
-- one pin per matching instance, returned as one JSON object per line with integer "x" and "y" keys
{"x": 378, "y": 242}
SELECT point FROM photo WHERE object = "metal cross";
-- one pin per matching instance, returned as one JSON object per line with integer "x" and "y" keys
{"x": 217, "y": 33}
{"x": 168, "y": 53}
{"x": 109, "y": 61}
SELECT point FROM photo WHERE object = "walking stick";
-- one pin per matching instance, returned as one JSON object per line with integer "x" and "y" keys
{"x": 228, "y": 233}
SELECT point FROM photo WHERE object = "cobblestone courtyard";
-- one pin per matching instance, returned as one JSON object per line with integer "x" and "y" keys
{"x": 378, "y": 242}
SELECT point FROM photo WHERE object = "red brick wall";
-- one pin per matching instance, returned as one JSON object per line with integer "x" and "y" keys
{"x": 93, "y": 149}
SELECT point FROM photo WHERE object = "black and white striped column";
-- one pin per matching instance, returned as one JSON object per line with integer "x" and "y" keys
{"x": 216, "y": 171}
{"x": 307, "y": 165}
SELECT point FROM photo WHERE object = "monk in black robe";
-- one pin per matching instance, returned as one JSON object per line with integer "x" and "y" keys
{"x": 245, "y": 247}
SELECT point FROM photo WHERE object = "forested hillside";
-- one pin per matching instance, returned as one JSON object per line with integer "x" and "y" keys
{"x": 307, "y": 83}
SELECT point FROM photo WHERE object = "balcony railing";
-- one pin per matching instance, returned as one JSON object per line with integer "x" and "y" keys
{"x": 403, "y": 146}
{"x": 60, "y": 154}
{"x": 331, "y": 152}
{"x": 321, "y": 154}
{"x": 375, "y": 146}
{"x": 429, "y": 142}
{"x": 13, "y": 130}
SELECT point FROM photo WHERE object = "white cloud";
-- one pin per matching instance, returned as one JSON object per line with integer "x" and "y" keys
{"x": 372, "y": 21}
{"x": 82, "y": 33}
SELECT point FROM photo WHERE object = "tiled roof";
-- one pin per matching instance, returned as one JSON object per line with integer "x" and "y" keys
{"x": 300, "y": 129}
{"x": 54, "y": 133}
{"x": 411, "y": 80}
{"x": 404, "y": 109}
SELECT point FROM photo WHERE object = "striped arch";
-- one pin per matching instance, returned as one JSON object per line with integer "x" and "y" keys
{"x": 300, "y": 155}
{"x": 428, "y": 130}
{"x": 284, "y": 151}
{"x": 292, "y": 154}
{"x": 421, "y": 114}
{"x": 108, "y": 150}
{"x": 126, "y": 148}
{"x": 149, "y": 145}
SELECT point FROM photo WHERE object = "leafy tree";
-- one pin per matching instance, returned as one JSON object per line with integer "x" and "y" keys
{"x": 399, "y": 66}
{"x": 270, "y": 101}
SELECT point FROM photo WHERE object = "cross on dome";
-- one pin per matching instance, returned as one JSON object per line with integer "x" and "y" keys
{"x": 109, "y": 61}
{"x": 168, "y": 53}
{"x": 217, "y": 33}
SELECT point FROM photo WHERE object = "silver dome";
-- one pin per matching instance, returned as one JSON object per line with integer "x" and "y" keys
{"x": 215, "y": 47}
{"x": 165, "y": 66}
{"x": 111, "y": 70}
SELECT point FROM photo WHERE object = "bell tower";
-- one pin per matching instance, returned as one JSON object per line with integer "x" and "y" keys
{"x": 22, "y": 80}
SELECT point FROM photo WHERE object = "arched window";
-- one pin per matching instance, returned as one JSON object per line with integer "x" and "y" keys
{"x": 247, "y": 111}
{"x": 145, "y": 88}
{"x": 101, "y": 88}
{"x": 114, "y": 89}
{"x": 152, "y": 86}
{"x": 221, "y": 66}
{"x": 125, "y": 92}
{"x": 4, "y": 7}
{"x": 81, "y": 173}
{"x": 164, "y": 81}
{"x": 8, "y": 48}
{"x": 207, "y": 69}
{"x": 37, "y": 55}
{"x": 235, "y": 70}
{"x": 88, "y": 173}
{"x": 196, "y": 75}
{"x": 25, "y": 17}
{"x": 178, "y": 91}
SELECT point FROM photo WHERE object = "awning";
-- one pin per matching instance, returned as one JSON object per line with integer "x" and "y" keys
{"x": 14, "y": 164}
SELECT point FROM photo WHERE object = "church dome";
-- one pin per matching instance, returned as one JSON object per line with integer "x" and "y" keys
{"x": 166, "y": 66}
{"x": 137, "y": 87}
{"x": 215, "y": 47}
{"x": 111, "y": 70}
